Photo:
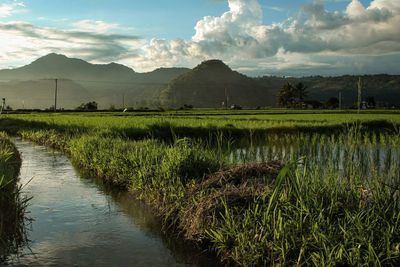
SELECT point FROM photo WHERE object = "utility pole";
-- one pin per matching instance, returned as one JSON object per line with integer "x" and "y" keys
{"x": 55, "y": 97}
{"x": 340, "y": 100}
{"x": 3, "y": 105}
{"x": 226, "y": 98}
{"x": 359, "y": 85}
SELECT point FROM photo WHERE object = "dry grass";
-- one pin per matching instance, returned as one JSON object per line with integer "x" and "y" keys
{"x": 235, "y": 187}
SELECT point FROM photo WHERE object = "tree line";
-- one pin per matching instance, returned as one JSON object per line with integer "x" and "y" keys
{"x": 294, "y": 96}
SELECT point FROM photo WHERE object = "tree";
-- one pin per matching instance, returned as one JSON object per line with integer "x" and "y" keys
{"x": 290, "y": 96}
{"x": 90, "y": 106}
{"x": 332, "y": 102}
{"x": 300, "y": 94}
{"x": 286, "y": 96}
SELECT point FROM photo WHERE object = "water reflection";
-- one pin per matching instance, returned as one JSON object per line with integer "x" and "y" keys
{"x": 367, "y": 158}
{"x": 80, "y": 223}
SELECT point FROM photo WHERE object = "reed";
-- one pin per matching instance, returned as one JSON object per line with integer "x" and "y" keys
{"x": 12, "y": 205}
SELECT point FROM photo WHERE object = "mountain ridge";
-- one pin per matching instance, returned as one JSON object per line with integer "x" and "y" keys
{"x": 203, "y": 86}
{"x": 62, "y": 67}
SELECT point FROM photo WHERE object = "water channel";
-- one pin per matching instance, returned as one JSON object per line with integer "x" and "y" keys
{"x": 80, "y": 222}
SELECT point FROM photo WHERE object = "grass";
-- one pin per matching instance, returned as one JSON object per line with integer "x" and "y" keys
{"x": 333, "y": 201}
{"x": 311, "y": 217}
{"x": 198, "y": 124}
{"x": 12, "y": 206}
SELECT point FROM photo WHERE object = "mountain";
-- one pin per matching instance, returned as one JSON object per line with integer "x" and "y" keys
{"x": 210, "y": 83}
{"x": 205, "y": 86}
{"x": 62, "y": 67}
{"x": 384, "y": 88}
{"x": 107, "y": 84}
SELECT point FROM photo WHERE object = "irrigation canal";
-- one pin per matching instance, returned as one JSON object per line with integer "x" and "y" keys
{"x": 80, "y": 222}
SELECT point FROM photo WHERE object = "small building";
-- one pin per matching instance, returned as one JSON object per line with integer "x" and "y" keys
{"x": 235, "y": 106}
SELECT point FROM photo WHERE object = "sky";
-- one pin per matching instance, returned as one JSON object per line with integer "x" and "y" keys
{"x": 255, "y": 37}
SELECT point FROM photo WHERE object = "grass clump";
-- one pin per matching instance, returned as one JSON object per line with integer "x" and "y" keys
{"x": 306, "y": 217}
{"x": 12, "y": 206}
{"x": 233, "y": 187}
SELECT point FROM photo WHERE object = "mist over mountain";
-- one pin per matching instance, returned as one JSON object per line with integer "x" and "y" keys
{"x": 205, "y": 86}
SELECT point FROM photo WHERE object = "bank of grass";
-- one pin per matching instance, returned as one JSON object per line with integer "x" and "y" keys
{"x": 310, "y": 217}
{"x": 253, "y": 215}
{"x": 12, "y": 206}
{"x": 10, "y": 162}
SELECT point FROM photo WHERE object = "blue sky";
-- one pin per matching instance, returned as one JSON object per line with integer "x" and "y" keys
{"x": 161, "y": 19}
{"x": 256, "y": 37}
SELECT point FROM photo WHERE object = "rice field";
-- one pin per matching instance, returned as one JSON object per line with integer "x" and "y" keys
{"x": 259, "y": 187}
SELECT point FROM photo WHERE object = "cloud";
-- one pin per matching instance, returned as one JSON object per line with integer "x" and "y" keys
{"x": 97, "y": 26}
{"x": 312, "y": 38}
{"x": 20, "y": 39}
{"x": 275, "y": 8}
{"x": 7, "y": 10}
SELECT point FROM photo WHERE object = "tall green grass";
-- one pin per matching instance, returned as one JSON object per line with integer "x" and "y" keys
{"x": 314, "y": 217}
{"x": 155, "y": 171}
{"x": 170, "y": 125}
{"x": 12, "y": 205}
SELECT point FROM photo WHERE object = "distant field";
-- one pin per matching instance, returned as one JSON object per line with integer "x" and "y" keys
{"x": 203, "y": 120}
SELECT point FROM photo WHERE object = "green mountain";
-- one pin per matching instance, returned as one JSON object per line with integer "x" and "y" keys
{"x": 62, "y": 67}
{"x": 210, "y": 83}
{"x": 80, "y": 81}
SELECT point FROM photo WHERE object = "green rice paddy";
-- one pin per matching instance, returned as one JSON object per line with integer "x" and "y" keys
{"x": 318, "y": 188}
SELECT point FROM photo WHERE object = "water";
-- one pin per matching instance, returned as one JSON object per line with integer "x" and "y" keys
{"x": 79, "y": 222}
{"x": 370, "y": 158}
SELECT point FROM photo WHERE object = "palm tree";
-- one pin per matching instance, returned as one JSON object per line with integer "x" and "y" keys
{"x": 300, "y": 93}
{"x": 286, "y": 97}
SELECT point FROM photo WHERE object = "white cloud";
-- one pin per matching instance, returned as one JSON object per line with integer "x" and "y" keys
{"x": 97, "y": 26}
{"x": 238, "y": 36}
{"x": 9, "y": 9}
{"x": 22, "y": 40}
{"x": 386, "y": 4}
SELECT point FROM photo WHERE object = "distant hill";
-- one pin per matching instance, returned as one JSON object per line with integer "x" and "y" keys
{"x": 40, "y": 94}
{"x": 107, "y": 84}
{"x": 208, "y": 84}
{"x": 384, "y": 88}
{"x": 62, "y": 67}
